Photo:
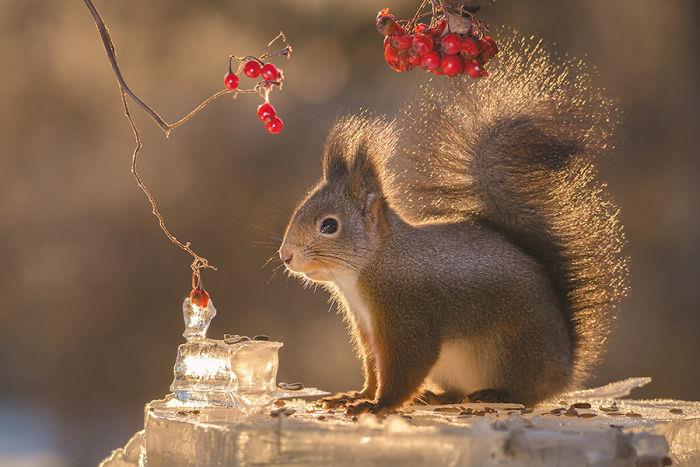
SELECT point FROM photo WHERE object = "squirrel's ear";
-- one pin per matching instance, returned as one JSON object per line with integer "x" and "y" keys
{"x": 335, "y": 167}
{"x": 372, "y": 206}
{"x": 364, "y": 182}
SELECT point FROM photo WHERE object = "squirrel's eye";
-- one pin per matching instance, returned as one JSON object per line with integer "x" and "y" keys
{"x": 329, "y": 226}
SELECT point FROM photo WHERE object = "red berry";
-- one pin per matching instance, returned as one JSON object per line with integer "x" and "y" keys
{"x": 451, "y": 44}
{"x": 398, "y": 60}
{"x": 386, "y": 22}
{"x": 390, "y": 54}
{"x": 252, "y": 68}
{"x": 474, "y": 69}
{"x": 231, "y": 81}
{"x": 488, "y": 48}
{"x": 452, "y": 65}
{"x": 270, "y": 72}
{"x": 440, "y": 28}
{"x": 266, "y": 111}
{"x": 414, "y": 59}
{"x": 469, "y": 47}
{"x": 421, "y": 28}
{"x": 423, "y": 43}
{"x": 275, "y": 125}
{"x": 199, "y": 297}
{"x": 489, "y": 40}
{"x": 402, "y": 41}
{"x": 430, "y": 61}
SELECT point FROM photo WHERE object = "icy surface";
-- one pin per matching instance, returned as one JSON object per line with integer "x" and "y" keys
{"x": 203, "y": 372}
{"x": 235, "y": 372}
{"x": 254, "y": 366}
{"x": 197, "y": 319}
{"x": 221, "y": 413}
{"x": 612, "y": 432}
{"x": 614, "y": 390}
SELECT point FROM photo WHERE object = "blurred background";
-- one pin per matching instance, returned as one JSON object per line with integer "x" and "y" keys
{"x": 90, "y": 295}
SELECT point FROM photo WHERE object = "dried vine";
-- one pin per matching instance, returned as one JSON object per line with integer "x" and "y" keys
{"x": 262, "y": 88}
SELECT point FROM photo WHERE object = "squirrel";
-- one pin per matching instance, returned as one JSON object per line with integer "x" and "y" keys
{"x": 469, "y": 243}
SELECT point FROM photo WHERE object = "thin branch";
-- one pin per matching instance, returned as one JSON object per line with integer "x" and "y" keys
{"x": 262, "y": 89}
{"x": 198, "y": 262}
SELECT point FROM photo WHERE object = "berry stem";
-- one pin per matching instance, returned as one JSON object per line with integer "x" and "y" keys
{"x": 444, "y": 15}
{"x": 267, "y": 53}
{"x": 198, "y": 262}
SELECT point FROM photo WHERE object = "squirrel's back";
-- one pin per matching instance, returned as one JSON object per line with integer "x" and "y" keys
{"x": 516, "y": 150}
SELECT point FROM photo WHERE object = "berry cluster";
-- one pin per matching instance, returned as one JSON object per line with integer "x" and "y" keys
{"x": 437, "y": 47}
{"x": 269, "y": 77}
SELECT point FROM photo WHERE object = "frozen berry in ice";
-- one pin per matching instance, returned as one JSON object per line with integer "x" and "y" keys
{"x": 199, "y": 297}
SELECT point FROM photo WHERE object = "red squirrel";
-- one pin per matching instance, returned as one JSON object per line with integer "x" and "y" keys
{"x": 469, "y": 243}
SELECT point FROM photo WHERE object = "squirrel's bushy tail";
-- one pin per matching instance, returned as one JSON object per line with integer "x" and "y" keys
{"x": 517, "y": 150}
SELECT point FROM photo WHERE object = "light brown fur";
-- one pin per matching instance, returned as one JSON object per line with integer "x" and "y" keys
{"x": 486, "y": 234}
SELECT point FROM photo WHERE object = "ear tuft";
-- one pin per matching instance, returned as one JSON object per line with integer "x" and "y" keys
{"x": 335, "y": 166}
{"x": 354, "y": 153}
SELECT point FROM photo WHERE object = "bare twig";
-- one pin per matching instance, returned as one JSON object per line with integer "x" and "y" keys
{"x": 198, "y": 262}
{"x": 263, "y": 89}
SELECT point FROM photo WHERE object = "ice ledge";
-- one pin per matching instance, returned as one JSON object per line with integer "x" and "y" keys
{"x": 610, "y": 432}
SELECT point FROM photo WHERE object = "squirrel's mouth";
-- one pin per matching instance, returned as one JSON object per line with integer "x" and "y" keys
{"x": 313, "y": 269}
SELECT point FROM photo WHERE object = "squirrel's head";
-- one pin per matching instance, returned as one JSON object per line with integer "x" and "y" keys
{"x": 335, "y": 229}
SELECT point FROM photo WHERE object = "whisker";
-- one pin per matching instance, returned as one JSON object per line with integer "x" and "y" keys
{"x": 274, "y": 272}
{"x": 272, "y": 210}
{"x": 268, "y": 261}
{"x": 272, "y": 233}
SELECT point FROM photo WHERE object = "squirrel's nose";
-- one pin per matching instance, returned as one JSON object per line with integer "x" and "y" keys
{"x": 286, "y": 254}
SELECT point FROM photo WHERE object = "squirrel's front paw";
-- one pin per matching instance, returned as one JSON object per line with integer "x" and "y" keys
{"x": 367, "y": 406}
{"x": 340, "y": 399}
{"x": 360, "y": 407}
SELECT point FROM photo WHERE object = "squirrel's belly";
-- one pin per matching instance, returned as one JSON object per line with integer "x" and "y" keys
{"x": 355, "y": 304}
{"x": 459, "y": 367}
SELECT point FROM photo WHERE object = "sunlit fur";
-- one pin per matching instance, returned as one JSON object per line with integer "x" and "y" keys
{"x": 348, "y": 250}
{"x": 518, "y": 149}
{"x": 496, "y": 179}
